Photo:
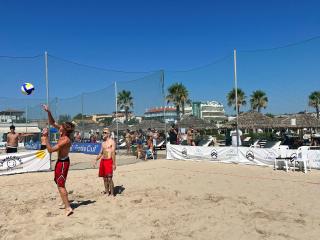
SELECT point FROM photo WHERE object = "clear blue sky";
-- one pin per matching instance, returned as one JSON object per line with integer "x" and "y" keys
{"x": 171, "y": 35}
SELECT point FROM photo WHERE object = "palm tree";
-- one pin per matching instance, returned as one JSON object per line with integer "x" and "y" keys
{"x": 179, "y": 96}
{"x": 125, "y": 102}
{"x": 314, "y": 101}
{"x": 231, "y": 98}
{"x": 258, "y": 100}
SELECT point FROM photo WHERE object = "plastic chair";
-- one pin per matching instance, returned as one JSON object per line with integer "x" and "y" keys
{"x": 283, "y": 157}
{"x": 302, "y": 159}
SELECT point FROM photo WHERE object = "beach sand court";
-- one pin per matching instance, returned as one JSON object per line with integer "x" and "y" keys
{"x": 165, "y": 199}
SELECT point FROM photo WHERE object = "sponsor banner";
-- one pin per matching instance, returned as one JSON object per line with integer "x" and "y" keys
{"x": 32, "y": 146}
{"x": 36, "y": 145}
{"x": 32, "y": 161}
{"x": 246, "y": 155}
{"x": 88, "y": 148}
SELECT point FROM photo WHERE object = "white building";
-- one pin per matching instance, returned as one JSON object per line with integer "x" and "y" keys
{"x": 11, "y": 115}
{"x": 210, "y": 110}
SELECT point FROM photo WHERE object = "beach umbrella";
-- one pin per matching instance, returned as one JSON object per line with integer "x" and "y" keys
{"x": 195, "y": 122}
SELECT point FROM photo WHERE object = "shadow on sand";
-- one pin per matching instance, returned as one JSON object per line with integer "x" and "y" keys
{"x": 118, "y": 190}
{"x": 76, "y": 204}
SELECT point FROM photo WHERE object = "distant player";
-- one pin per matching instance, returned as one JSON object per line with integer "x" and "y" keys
{"x": 108, "y": 162}
{"x": 44, "y": 137}
{"x": 13, "y": 140}
{"x": 63, "y": 163}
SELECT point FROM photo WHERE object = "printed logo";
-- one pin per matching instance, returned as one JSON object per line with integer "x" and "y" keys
{"x": 184, "y": 152}
{"x": 293, "y": 157}
{"x": 11, "y": 161}
{"x": 214, "y": 154}
{"x": 250, "y": 155}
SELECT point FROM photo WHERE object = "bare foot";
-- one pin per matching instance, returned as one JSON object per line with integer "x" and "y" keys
{"x": 69, "y": 211}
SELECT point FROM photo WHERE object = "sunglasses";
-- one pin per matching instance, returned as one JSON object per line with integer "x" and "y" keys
{"x": 106, "y": 133}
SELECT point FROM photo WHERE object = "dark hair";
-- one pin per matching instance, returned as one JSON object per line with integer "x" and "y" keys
{"x": 69, "y": 127}
{"x": 12, "y": 127}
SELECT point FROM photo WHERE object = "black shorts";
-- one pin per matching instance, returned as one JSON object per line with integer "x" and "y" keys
{"x": 11, "y": 150}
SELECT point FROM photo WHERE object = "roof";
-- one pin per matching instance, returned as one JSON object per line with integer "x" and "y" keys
{"x": 161, "y": 109}
{"x": 146, "y": 124}
{"x": 21, "y": 129}
{"x": 303, "y": 120}
{"x": 195, "y": 122}
{"x": 11, "y": 111}
{"x": 121, "y": 126}
{"x": 252, "y": 120}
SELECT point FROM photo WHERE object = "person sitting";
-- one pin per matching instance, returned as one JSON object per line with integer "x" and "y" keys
{"x": 149, "y": 151}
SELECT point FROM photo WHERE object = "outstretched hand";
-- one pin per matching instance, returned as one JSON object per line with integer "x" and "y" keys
{"x": 45, "y": 107}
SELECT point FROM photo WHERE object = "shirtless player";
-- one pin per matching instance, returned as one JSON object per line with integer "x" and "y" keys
{"x": 43, "y": 138}
{"x": 62, "y": 165}
{"x": 12, "y": 140}
{"x": 108, "y": 162}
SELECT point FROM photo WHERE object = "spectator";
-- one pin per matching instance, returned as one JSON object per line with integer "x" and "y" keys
{"x": 234, "y": 135}
{"x": 173, "y": 135}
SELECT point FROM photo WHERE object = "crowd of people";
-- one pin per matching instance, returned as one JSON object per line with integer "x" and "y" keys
{"x": 184, "y": 137}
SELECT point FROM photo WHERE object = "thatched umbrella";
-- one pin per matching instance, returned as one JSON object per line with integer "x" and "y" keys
{"x": 297, "y": 121}
{"x": 251, "y": 120}
{"x": 146, "y": 124}
{"x": 121, "y": 127}
{"x": 196, "y": 123}
{"x": 87, "y": 127}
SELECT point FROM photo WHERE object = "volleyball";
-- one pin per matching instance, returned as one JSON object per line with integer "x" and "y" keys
{"x": 27, "y": 88}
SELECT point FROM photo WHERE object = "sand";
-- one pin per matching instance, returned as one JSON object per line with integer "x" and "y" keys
{"x": 165, "y": 199}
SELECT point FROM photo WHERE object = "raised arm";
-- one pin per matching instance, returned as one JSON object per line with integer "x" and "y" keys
{"x": 50, "y": 117}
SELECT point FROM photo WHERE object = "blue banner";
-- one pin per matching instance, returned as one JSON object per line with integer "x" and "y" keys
{"x": 32, "y": 145}
{"x": 88, "y": 148}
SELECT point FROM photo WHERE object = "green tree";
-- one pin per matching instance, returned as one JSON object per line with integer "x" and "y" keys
{"x": 258, "y": 100}
{"x": 179, "y": 96}
{"x": 107, "y": 121}
{"x": 314, "y": 101}
{"x": 231, "y": 98}
{"x": 78, "y": 116}
{"x": 125, "y": 102}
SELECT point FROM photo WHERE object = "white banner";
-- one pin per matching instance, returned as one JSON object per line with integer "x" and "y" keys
{"x": 32, "y": 161}
{"x": 246, "y": 155}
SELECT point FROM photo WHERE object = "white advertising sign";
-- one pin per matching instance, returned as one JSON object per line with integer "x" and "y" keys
{"x": 32, "y": 161}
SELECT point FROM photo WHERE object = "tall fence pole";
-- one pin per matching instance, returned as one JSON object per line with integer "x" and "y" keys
{"x": 236, "y": 95}
{"x": 82, "y": 123}
{"x": 47, "y": 91}
{"x": 164, "y": 108}
{"x": 116, "y": 102}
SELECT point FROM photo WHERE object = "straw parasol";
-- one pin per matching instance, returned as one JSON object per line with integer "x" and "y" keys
{"x": 121, "y": 127}
{"x": 146, "y": 124}
{"x": 196, "y": 123}
{"x": 252, "y": 120}
{"x": 303, "y": 120}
